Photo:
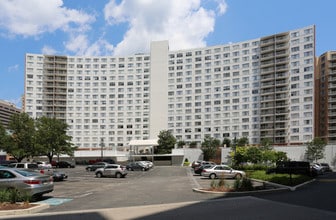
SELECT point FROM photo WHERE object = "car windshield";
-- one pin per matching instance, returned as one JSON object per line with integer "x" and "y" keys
{"x": 27, "y": 173}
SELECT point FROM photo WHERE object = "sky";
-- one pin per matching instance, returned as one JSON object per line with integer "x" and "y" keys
{"x": 126, "y": 27}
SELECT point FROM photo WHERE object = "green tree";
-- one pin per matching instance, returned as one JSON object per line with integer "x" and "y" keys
{"x": 209, "y": 147}
{"x": 226, "y": 142}
{"x": 51, "y": 138}
{"x": 20, "y": 143}
{"x": 166, "y": 142}
{"x": 242, "y": 141}
{"x": 3, "y": 136}
{"x": 180, "y": 144}
{"x": 266, "y": 144}
{"x": 254, "y": 155}
{"x": 193, "y": 144}
{"x": 315, "y": 149}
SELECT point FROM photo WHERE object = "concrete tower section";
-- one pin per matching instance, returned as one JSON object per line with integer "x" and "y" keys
{"x": 158, "y": 88}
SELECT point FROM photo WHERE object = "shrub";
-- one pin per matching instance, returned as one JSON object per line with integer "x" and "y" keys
{"x": 14, "y": 196}
{"x": 243, "y": 184}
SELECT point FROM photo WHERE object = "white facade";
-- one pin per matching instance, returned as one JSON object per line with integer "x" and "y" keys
{"x": 220, "y": 91}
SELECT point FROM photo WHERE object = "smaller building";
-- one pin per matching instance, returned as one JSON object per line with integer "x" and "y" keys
{"x": 7, "y": 109}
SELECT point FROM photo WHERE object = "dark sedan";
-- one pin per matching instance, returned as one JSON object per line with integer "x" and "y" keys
{"x": 64, "y": 164}
{"x": 136, "y": 166}
{"x": 93, "y": 167}
{"x": 198, "y": 170}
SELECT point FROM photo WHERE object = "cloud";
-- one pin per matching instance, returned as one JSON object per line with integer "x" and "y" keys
{"x": 13, "y": 68}
{"x": 186, "y": 24}
{"x": 34, "y": 17}
{"x": 48, "y": 50}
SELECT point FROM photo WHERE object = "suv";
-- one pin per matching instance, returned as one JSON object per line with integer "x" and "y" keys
{"x": 32, "y": 166}
{"x": 112, "y": 170}
{"x": 291, "y": 167}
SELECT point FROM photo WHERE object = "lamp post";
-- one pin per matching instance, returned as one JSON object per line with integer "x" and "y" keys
{"x": 102, "y": 148}
{"x": 235, "y": 149}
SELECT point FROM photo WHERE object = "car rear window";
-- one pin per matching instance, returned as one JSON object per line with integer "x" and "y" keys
{"x": 27, "y": 173}
{"x": 32, "y": 166}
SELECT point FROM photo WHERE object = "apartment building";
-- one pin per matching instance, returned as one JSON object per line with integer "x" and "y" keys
{"x": 261, "y": 88}
{"x": 326, "y": 97}
{"x": 7, "y": 109}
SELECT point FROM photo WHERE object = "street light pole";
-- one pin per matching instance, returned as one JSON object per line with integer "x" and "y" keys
{"x": 102, "y": 148}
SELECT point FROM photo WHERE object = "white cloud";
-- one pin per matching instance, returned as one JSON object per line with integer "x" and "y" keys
{"x": 48, "y": 50}
{"x": 186, "y": 24}
{"x": 222, "y": 6}
{"x": 13, "y": 68}
{"x": 34, "y": 17}
{"x": 77, "y": 44}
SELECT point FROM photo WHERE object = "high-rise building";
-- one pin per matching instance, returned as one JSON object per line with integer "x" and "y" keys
{"x": 326, "y": 97}
{"x": 261, "y": 88}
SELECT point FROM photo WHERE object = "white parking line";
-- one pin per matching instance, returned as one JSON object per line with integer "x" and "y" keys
{"x": 194, "y": 182}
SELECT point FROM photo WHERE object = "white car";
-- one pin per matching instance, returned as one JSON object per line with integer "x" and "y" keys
{"x": 222, "y": 171}
{"x": 44, "y": 165}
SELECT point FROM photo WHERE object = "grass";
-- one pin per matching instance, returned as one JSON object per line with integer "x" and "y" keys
{"x": 283, "y": 179}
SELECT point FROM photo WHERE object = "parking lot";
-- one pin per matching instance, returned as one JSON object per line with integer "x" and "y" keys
{"x": 162, "y": 184}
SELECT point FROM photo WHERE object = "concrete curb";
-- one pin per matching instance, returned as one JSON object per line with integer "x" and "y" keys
{"x": 37, "y": 208}
{"x": 280, "y": 188}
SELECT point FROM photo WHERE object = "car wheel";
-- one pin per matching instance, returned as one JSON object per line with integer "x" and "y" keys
{"x": 238, "y": 176}
{"x": 99, "y": 175}
{"x": 212, "y": 176}
{"x": 118, "y": 175}
{"x": 130, "y": 169}
{"x": 143, "y": 169}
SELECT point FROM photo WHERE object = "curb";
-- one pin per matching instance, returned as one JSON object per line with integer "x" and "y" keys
{"x": 37, "y": 208}
{"x": 235, "y": 194}
{"x": 280, "y": 188}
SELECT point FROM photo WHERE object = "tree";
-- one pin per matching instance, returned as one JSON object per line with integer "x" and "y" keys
{"x": 242, "y": 141}
{"x": 180, "y": 144}
{"x": 254, "y": 155}
{"x": 226, "y": 142}
{"x": 166, "y": 142}
{"x": 209, "y": 147}
{"x": 51, "y": 138}
{"x": 193, "y": 144}
{"x": 266, "y": 144}
{"x": 3, "y": 136}
{"x": 20, "y": 143}
{"x": 315, "y": 149}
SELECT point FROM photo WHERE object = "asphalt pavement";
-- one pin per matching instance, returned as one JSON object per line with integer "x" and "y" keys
{"x": 312, "y": 201}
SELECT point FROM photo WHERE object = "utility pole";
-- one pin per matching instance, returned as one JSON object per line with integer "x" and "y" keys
{"x": 102, "y": 145}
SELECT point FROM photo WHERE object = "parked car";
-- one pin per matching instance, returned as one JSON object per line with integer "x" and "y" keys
{"x": 222, "y": 171}
{"x": 95, "y": 166}
{"x": 325, "y": 167}
{"x": 27, "y": 165}
{"x": 65, "y": 164}
{"x": 43, "y": 164}
{"x": 292, "y": 167}
{"x": 33, "y": 183}
{"x": 136, "y": 166}
{"x": 198, "y": 170}
{"x": 317, "y": 169}
{"x": 59, "y": 175}
{"x": 148, "y": 163}
{"x": 111, "y": 170}
{"x": 201, "y": 163}
{"x": 196, "y": 163}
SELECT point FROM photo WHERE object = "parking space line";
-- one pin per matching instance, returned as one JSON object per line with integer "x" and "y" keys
{"x": 194, "y": 182}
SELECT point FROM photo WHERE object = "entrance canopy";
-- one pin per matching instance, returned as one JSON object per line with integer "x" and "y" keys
{"x": 144, "y": 143}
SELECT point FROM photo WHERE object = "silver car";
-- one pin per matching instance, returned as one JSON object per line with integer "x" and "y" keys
{"x": 222, "y": 171}
{"x": 33, "y": 183}
{"x": 111, "y": 170}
